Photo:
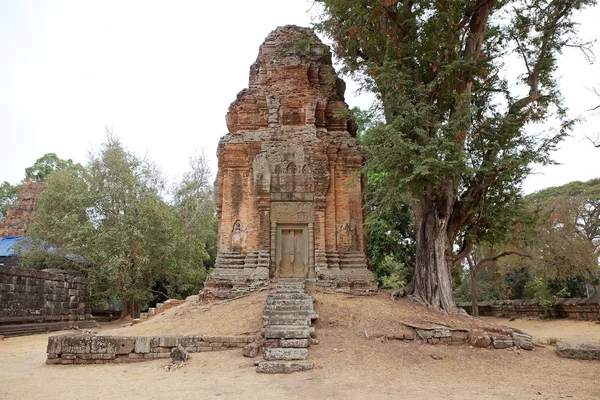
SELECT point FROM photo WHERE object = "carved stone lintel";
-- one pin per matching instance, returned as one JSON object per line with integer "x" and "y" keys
{"x": 292, "y": 212}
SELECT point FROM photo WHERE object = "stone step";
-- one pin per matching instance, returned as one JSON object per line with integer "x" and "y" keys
{"x": 285, "y": 353}
{"x": 288, "y": 291}
{"x": 297, "y": 343}
{"x": 286, "y": 332}
{"x": 289, "y": 296}
{"x": 292, "y": 302}
{"x": 269, "y": 321}
{"x": 289, "y": 307}
{"x": 304, "y": 311}
{"x": 278, "y": 311}
{"x": 296, "y": 284}
{"x": 283, "y": 367}
{"x": 292, "y": 315}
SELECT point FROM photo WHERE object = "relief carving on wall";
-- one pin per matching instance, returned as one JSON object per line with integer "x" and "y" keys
{"x": 347, "y": 236}
{"x": 292, "y": 212}
{"x": 238, "y": 235}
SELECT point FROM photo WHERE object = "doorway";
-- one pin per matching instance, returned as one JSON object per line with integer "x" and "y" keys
{"x": 292, "y": 251}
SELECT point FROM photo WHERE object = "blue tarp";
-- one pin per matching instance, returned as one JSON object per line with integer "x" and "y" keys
{"x": 7, "y": 245}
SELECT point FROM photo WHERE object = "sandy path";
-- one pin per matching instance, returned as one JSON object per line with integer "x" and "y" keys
{"x": 564, "y": 330}
{"x": 367, "y": 369}
{"x": 348, "y": 366}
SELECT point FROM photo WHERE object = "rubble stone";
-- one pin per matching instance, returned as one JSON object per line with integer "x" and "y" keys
{"x": 179, "y": 355}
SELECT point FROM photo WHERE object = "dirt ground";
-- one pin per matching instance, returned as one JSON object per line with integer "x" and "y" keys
{"x": 348, "y": 366}
{"x": 240, "y": 316}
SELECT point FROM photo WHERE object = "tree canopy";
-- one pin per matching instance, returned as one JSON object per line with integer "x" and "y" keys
{"x": 112, "y": 215}
{"x": 452, "y": 122}
{"x": 47, "y": 164}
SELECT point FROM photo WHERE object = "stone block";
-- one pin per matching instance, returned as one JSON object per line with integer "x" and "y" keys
{"x": 168, "y": 341}
{"x": 578, "y": 351}
{"x": 502, "y": 343}
{"x": 286, "y": 332}
{"x": 251, "y": 350}
{"x": 142, "y": 345}
{"x": 522, "y": 341}
{"x": 442, "y": 333}
{"x": 292, "y": 343}
{"x": 124, "y": 345}
{"x": 459, "y": 336}
{"x": 479, "y": 338}
{"x": 283, "y": 367}
{"x": 76, "y": 344}
{"x": 103, "y": 345}
{"x": 54, "y": 344}
{"x": 289, "y": 354}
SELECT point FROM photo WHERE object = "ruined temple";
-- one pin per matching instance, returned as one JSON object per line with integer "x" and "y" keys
{"x": 21, "y": 212}
{"x": 289, "y": 202}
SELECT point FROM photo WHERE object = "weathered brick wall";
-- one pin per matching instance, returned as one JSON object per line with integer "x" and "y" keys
{"x": 90, "y": 349}
{"x": 30, "y": 296}
{"x": 575, "y": 308}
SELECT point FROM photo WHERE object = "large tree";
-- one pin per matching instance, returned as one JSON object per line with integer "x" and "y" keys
{"x": 569, "y": 230}
{"x": 453, "y": 123}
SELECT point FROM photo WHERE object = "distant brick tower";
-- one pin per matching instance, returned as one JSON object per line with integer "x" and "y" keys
{"x": 289, "y": 203}
{"x": 21, "y": 212}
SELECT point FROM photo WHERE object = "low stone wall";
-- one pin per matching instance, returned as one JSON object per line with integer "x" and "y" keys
{"x": 91, "y": 349}
{"x": 575, "y": 308}
{"x": 500, "y": 339}
{"x": 33, "y": 301}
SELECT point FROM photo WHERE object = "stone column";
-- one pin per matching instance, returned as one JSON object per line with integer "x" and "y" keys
{"x": 273, "y": 268}
{"x": 311, "y": 251}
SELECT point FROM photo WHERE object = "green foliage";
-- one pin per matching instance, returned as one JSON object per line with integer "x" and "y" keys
{"x": 538, "y": 291}
{"x": 390, "y": 228}
{"x": 392, "y": 281}
{"x": 453, "y": 131}
{"x": 197, "y": 237}
{"x": 302, "y": 43}
{"x": 47, "y": 164}
{"x": 8, "y": 194}
{"x": 112, "y": 215}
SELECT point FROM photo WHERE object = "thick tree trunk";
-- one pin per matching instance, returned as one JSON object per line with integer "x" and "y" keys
{"x": 432, "y": 282}
{"x": 474, "y": 296}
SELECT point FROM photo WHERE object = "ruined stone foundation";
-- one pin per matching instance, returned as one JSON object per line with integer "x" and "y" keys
{"x": 289, "y": 200}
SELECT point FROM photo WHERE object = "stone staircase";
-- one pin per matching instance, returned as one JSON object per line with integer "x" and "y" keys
{"x": 287, "y": 333}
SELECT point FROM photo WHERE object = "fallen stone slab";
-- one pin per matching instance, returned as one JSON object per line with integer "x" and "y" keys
{"x": 283, "y": 367}
{"x": 578, "y": 351}
{"x": 523, "y": 341}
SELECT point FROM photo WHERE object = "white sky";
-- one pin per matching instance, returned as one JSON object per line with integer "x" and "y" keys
{"x": 163, "y": 73}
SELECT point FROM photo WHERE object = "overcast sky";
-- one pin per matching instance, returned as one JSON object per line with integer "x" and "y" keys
{"x": 162, "y": 74}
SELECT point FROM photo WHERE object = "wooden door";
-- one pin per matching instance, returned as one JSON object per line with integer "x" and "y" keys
{"x": 293, "y": 259}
